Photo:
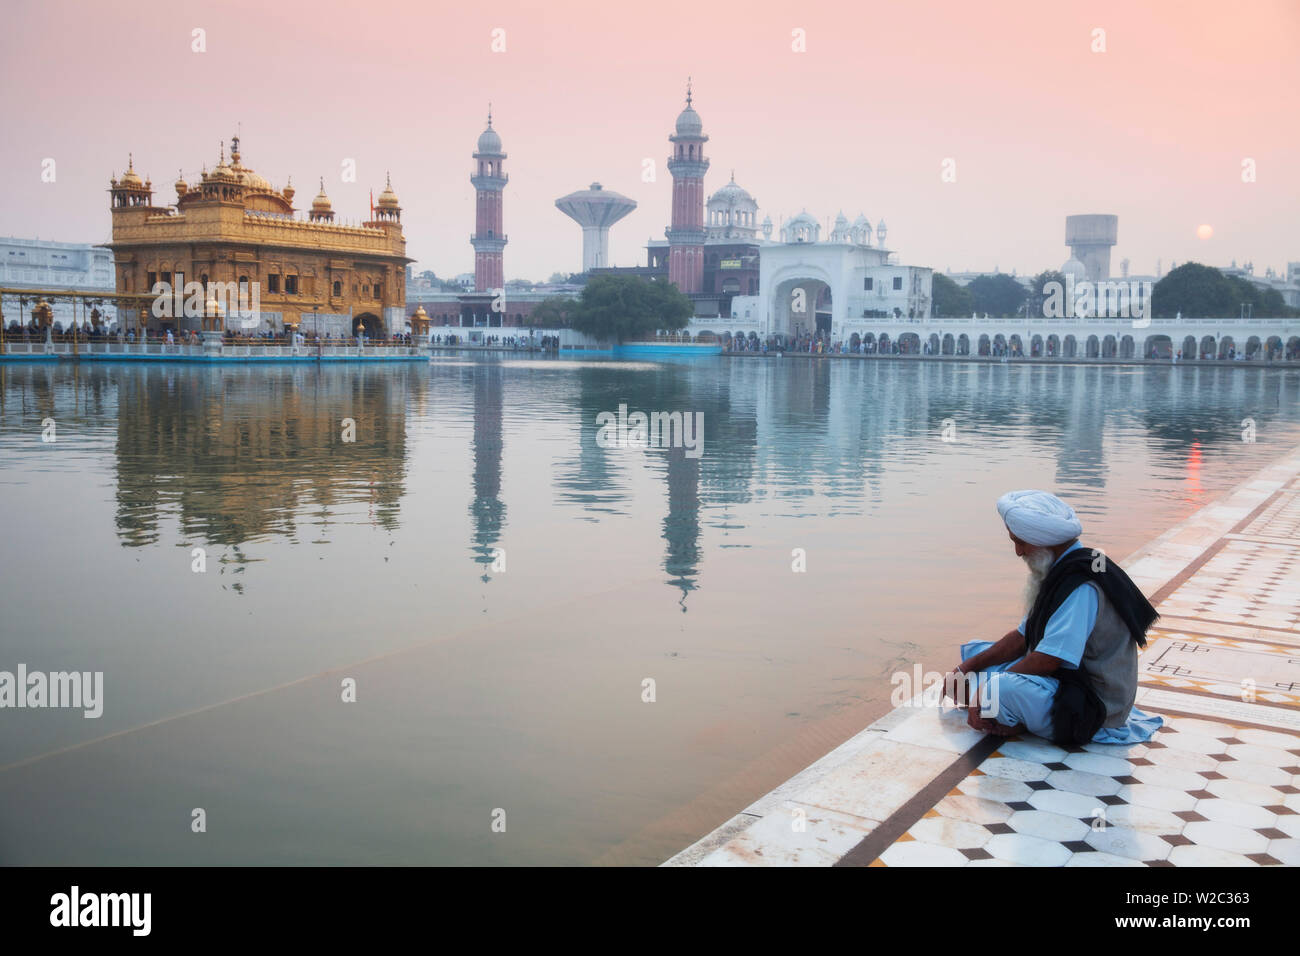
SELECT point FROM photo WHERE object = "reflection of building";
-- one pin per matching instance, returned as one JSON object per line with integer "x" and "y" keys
{"x": 487, "y": 510}
{"x": 234, "y": 461}
{"x": 233, "y": 227}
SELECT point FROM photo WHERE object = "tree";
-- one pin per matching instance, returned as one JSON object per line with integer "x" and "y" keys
{"x": 1198, "y": 291}
{"x": 1038, "y": 297}
{"x": 557, "y": 278}
{"x": 555, "y": 312}
{"x": 949, "y": 300}
{"x": 997, "y": 295}
{"x": 621, "y": 307}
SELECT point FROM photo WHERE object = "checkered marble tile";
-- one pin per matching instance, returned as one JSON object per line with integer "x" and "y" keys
{"x": 1247, "y": 582}
{"x": 1199, "y": 793}
{"x": 1279, "y": 519}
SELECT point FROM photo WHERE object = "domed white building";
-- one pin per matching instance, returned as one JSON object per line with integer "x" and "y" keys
{"x": 732, "y": 213}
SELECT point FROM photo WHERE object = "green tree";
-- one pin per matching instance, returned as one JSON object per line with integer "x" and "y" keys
{"x": 1038, "y": 297}
{"x": 626, "y": 307}
{"x": 1199, "y": 291}
{"x": 949, "y": 300}
{"x": 997, "y": 295}
{"x": 555, "y": 312}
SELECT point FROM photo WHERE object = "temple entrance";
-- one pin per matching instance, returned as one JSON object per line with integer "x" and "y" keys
{"x": 801, "y": 308}
{"x": 368, "y": 322}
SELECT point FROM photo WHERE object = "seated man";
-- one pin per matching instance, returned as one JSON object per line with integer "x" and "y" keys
{"x": 1069, "y": 671}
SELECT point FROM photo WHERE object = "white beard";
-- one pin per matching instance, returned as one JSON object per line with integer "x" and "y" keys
{"x": 1040, "y": 561}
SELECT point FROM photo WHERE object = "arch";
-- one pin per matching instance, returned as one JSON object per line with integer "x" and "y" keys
{"x": 884, "y": 343}
{"x": 1293, "y": 348}
{"x": 949, "y": 345}
{"x": 1127, "y": 347}
{"x": 370, "y": 322}
{"x": 1070, "y": 347}
{"x": 337, "y": 288}
{"x": 909, "y": 343}
{"x": 1226, "y": 345}
{"x": 933, "y": 342}
{"x": 1092, "y": 348}
{"x": 963, "y": 344}
{"x": 999, "y": 344}
{"x": 1208, "y": 349}
{"x": 855, "y": 341}
{"x": 1053, "y": 346}
{"x": 1015, "y": 347}
{"x": 1273, "y": 348}
{"x": 796, "y": 293}
{"x": 868, "y": 342}
{"x": 984, "y": 346}
{"x": 1159, "y": 347}
{"x": 1108, "y": 347}
{"x": 1253, "y": 346}
{"x": 1036, "y": 347}
{"x": 1189, "y": 347}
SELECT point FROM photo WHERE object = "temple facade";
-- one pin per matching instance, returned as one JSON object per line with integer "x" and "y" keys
{"x": 306, "y": 273}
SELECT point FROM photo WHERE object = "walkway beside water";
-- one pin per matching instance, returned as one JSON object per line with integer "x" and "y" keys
{"x": 1219, "y": 785}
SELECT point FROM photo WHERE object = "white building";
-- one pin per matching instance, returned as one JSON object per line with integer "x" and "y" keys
{"x": 834, "y": 287}
{"x": 54, "y": 266}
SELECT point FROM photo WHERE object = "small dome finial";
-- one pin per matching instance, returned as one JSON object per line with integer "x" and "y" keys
{"x": 489, "y": 114}
{"x": 130, "y": 161}
{"x": 688, "y": 91}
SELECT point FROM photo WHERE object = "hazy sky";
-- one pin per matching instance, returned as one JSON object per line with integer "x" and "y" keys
{"x": 1155, "y": 129}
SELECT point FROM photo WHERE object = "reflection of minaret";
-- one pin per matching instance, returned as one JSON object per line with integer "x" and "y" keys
{"x": 487, "y": 509}
{"x": 682, "y": 523}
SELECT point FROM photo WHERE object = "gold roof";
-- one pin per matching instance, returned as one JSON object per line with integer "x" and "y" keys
{"x": 131, "y": 177}
{"x": 387, "y": 198}
{"x": 321, "y": 202}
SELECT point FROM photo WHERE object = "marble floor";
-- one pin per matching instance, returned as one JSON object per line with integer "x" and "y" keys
{"x": 1218, "y": 785}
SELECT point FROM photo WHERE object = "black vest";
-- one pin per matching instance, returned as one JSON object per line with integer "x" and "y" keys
{"x": 1077, "y": 711}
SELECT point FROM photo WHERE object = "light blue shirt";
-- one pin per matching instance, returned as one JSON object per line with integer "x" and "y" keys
{"x": 1067, "y": 630}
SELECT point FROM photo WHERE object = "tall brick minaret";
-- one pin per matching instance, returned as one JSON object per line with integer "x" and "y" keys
{"x": 686, "y": 234}
{"x": 489, "y": 241}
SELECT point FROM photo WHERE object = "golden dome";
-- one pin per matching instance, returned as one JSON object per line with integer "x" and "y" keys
{"x": 131, "y": 177}
{"x": 182, "y": 187}
{"x": 322, "y": 202}
{"x": 387, "y": 198}
{"x": 288, "y": 191}
{"x": 419, "y": 313}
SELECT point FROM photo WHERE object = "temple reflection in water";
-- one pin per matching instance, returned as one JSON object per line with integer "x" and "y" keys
{"x": 236, "y": 455}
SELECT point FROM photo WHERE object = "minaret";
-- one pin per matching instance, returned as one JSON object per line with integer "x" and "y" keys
{"x": 488, "y": 240}
{"x": 686, "y": 234}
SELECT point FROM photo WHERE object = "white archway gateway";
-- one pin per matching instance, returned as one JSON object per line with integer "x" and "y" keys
{"x": 859, "y": 287}
{"x": 792, "y": 308}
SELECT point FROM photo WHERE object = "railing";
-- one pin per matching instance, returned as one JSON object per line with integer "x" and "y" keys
{"x": 62, "y": 345}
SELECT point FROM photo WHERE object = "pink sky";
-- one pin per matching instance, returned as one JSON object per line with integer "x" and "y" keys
{"x": 1154, "y": 130}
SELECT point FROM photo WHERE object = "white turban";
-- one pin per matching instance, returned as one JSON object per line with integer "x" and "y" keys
{"x": 1038, "y": 518}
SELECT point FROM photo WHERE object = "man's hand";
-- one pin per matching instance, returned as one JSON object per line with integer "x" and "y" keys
{"x": 954, "y": 679}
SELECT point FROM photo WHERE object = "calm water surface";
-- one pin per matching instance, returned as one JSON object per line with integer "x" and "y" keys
{"x": 518, "y": 688}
